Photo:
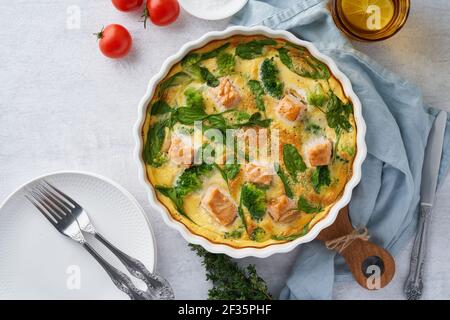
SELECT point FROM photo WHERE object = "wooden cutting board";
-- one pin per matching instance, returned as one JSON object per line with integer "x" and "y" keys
{"x": 372, "y": 266}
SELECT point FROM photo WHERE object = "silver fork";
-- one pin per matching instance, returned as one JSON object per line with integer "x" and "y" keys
{"x": 66, "y": 224}
{"x": 158, "y": 287}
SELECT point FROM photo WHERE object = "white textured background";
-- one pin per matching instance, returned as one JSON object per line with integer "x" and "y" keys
{"x": 63, "y": 106}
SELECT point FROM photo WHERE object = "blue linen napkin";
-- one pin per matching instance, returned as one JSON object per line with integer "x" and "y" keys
{"x": 398, "y": 123}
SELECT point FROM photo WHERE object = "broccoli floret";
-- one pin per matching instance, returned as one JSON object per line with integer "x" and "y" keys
{"x": 194, "y": 98}
{"x": 254, "y": 199}
{"x": 318, "y": 97}
{"x": 258, "y": 234}
{"x": 269, "y": 77}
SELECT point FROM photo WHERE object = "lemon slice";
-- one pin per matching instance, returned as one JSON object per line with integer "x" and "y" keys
{"x": 368, "y": 15}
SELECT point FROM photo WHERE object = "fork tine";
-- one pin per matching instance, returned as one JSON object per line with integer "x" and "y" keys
{"x": 56, "y": 208}
{"x": 56, "y": 199}
{"x": 36, "y": 203}
{"x": 62, "y": 194}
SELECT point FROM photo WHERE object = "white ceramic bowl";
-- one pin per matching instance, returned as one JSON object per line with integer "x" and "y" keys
{"x": 275, "y": 248}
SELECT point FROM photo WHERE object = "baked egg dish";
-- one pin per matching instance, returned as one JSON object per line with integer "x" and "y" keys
{"x": 249, "y": 141}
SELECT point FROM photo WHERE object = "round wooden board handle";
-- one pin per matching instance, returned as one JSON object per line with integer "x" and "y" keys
{"x": 361, "y": 256}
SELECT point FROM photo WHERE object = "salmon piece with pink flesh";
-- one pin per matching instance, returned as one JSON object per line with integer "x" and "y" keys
{"x": 219, "y": 205}
{"x": 281, "y": 209}
{"x": 291, "y": 108}
{"x": 318, "y": 152}
{"x": 181, "y": 152}
{"x": 226, "y": 94}
{"x": 259, "y": 174}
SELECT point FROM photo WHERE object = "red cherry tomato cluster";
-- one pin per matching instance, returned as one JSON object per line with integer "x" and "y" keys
{"x": 115, "y": 41}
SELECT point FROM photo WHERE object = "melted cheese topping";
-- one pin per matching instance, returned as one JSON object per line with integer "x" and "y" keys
{"x": 297, "y": 133}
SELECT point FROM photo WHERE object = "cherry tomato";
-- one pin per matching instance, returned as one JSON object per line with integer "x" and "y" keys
{"x": 163, "y": 12}
{"x": 115, "y": 41}
{"x": 127, "y": 5}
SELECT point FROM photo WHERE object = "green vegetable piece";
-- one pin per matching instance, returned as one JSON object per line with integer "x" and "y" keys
{"x": 152, "y": 149}
{"x": 177, "y": 79}
{"x": 215, "y": 52}
{"x": 337, "y": 114}
{"x": 188, "y": 116}
{"x": 253, "y": 49}
{"x": 306, "y": 207}
{"x": 160, "y": 107}
{"x": 318, "y": 70}
{"x": 234, "y": 234}
{"x": 231, "y": 170}
{"x": 254, "y": 199}
{"x": 225, "y": 63}
{"x": 285, "y": 180}
{"x": 320, "y": 178}
{"x": 194, "y": 98}
{"x": 270, "y": 79}
{"x": 292, "y": 236}
{"x": 231, "y": 282}
{"x": 293, "y": 161}
{"x": 210, "y": 79}
{"x": 258, "y": 92}
{"x": 318, "y": 97}
{"x": 190, "y": 64}
{"x": 313, "y": 128}
{"x": 171, "y": 193}
{"x": 258, "y": 234}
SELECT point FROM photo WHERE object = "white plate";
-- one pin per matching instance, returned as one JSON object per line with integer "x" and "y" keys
{"x": 37, "y": 262}
{"x": 213, "y": 9}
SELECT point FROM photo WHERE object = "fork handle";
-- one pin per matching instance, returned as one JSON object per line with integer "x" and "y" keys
{"x": 155, "y": 284}
{"x": 120, "y": 279}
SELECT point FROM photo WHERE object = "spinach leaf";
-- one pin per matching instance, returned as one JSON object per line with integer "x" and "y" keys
{"x": 293, "y": 160}
{"x": 270, "y": 79}
{"x": 190, "y": 64}
{"x": 319, "y": 70}
{"x": 177, "y": 79}
{"x": 210, "y": 79}
{"x": 160, "y": 107}
{"x": 253, "y": 49}
{"x": 254, "y": 199}
{"x": 214, "y": 53}
{"x": 254, "y": 120}
{"x": 171, "y": 193}
{"x": 188, "y": 116}
{"x": 306, "y": 207}
{"x": 284, "y": 178}
{"x": 337, "y": 114}
{"x": 155, "y": 138}
{"x": 258, "y": 234}
{"x": 258, "y": 92}
{"x": 194, "y": 98}
{"x": 225, "y": 63}
{"x": 320, "y": 178}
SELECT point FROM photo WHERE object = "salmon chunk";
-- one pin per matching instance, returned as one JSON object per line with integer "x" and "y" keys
{"x": 259, "y": 174}
{"x": 219, "y": 205}
{"x": 318, "y": 152}
{"x": 290, "y": 107}
{"x": 281, "y": 209}
{"x": 226, "y": 94}
{"x": 181, "y": 150}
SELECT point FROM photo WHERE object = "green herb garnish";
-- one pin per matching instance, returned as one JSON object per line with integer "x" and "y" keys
{"x": 230, "y": 282}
